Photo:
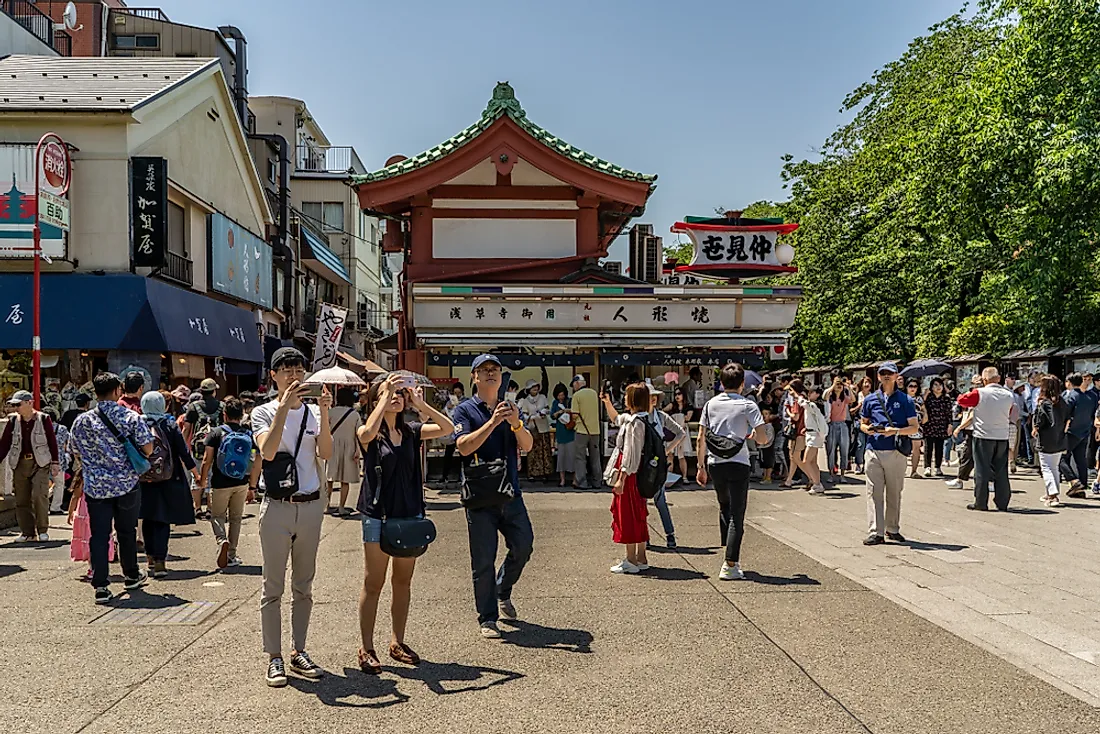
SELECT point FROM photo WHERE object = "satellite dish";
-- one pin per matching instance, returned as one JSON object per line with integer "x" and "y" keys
{"x": 68, "y": 19}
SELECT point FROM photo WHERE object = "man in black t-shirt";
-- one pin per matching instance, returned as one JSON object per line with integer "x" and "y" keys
{"x": 200, "y": 419}
{"x": 228, "y": 495}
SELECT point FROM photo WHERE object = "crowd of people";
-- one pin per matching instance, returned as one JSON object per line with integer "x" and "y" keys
{"x": 132, "y": 458}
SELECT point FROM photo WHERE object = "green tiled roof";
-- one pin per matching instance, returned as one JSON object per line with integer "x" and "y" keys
{"x": 503, "y": 103}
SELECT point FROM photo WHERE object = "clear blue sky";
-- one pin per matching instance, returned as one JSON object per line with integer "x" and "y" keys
{"x": 708, "y": 95}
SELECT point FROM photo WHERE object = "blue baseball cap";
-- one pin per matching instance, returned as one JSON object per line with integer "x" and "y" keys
{"x": 478, "y": 361}
{"x": 888, "y": 367}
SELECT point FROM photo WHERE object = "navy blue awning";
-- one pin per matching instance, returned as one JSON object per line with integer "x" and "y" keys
{"x": 127, "y": 312}
{"x": 317, "y": 250}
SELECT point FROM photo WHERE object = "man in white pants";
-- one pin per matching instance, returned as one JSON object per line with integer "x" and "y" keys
{"x": 290, "y": 527}
{"x": 887, "y": 415}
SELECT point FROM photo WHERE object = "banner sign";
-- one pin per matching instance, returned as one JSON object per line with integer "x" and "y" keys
{"x": 149, "y": 211}
{"x": 240, "y": 262}
{"x": 17, "y": 204}
{"x": 330, "y": 326}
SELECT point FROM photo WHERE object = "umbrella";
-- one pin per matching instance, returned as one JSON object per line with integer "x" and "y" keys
{"x": 752, "y": 379}
{"x": 420, "y": 379}
{"x": 925, "y": 368}
{"x": 335, "y": 376}
{"x": 671, "y": 377}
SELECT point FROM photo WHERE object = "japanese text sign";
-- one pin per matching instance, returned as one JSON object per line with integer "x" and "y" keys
{"x": 149, "y": 211}
{"x": 330, "y": 326}
{"x": 240, "y": 262}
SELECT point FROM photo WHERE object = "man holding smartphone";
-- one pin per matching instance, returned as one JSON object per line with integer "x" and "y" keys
{"x": 491, "y": 428}
{"x": 291, "y": 528}
{"x": 887, "y": 415}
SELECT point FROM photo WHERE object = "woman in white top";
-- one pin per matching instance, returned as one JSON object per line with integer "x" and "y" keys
{"x": 817, "y": 430}
{"x": 343, "y": 467}
{"x": 536, "y": 410}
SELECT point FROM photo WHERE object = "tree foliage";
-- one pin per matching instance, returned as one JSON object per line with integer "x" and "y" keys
{"x": 958, "y": 210}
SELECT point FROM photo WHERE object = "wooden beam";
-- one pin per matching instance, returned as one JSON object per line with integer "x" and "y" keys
{"x": 505, "y": 213}
{"x": 498, "y": 192}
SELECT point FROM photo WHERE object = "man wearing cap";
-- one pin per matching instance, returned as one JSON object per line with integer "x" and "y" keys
{"x": 994, "y": 411}
{"x": 586, "y": 406}
{"x": 489, "y": 429}
{"x": 290, "y": 528}
{"x": 200, "y": 419}
{"x": 31, "y": 451}
{"x": 888, "y": 415}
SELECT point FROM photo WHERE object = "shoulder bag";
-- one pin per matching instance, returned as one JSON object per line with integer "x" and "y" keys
{"x": 137, "y": 459}
{"x": 723, "y": 447}
{"x": 281, "y": 472}
{"x": 402, "y": 537}
{"x": 903, "y": 444}
{"x": 486, "y": 485}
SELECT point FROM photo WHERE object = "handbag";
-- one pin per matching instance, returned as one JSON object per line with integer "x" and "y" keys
{"x": 137, "y": 459}
{"x": 281, "y": 472}
{"x": 402, "y": 537}
{"x": 614, "y": 467}
{"x": 486, "y": 485}
{"x": 903, "y": 444}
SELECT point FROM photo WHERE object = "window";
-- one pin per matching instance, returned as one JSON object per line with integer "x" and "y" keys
{"x": 272, "y": 171}
{"x": 146, "y": 41}
{"x": 363, "y": 316}
{"x": 177, "y": 231}
{"x": 373, "y": 238}
{"x": 328, "y": 215}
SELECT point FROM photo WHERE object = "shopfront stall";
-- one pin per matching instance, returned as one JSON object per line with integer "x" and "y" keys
{"x": 1023, "y": 362}
{"x": 1084, "y": 359}
{"x": 968, "y": 365}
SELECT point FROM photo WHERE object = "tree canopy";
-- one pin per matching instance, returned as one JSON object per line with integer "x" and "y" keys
{"x": 957, "y": 212}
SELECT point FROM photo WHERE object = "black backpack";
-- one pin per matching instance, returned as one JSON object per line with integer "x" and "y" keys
{"x": 653, "y": 469}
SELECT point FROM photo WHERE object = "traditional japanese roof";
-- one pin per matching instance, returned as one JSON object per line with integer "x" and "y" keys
{"x": 503, "y": 104}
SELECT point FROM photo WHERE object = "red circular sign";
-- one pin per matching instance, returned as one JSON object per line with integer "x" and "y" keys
{"x": 55, "y": 165}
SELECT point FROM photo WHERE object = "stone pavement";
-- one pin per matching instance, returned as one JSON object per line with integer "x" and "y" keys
{"x": 796, "y": 647}
{"x": 1024, "y": 585}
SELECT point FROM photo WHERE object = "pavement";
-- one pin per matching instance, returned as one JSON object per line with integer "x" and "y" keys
{"x": 795, "y": 647}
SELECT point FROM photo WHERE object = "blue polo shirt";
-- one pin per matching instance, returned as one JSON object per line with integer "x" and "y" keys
{"x": 471, "y": 415}
{"x": 875, "y": 407}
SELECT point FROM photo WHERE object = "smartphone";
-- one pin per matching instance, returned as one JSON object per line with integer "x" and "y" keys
{"x": 502, "y": 391}
{"x": 310, "y": 390}
{"x": 408, "y": 382}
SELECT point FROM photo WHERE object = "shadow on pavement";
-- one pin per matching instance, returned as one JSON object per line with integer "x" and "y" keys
{"x": 531, "y": 635}
{"x": 681, "y": 549}
{"x": 189, "y": 534}
{"x": 1077, "y": 506}
{"x": 142, "y": 599}
{"x": 799, "y": 579}
{"x": 840, "y": 495}
{"x": 672, "y": 574}
{"x": 242, "y": 571}
{"x": 443, "y": 506}
{"x": 185, "y": 574}
{"x": 922, "y": 546}
{"x": 7, "y": 570}
{"x": 436, "y": 676}
{"x": 1029, "y": 511}
{"x": 353, "y": 683}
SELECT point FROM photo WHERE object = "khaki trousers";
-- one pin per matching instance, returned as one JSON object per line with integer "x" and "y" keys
{"x": 227, "y": 502}
{"x": 288, "y": 531}
{"x": 31, "y": 485}
{"x": 885, "y": 472}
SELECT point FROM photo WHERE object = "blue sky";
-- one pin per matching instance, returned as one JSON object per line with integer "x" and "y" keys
{"x": 708, "y": 95}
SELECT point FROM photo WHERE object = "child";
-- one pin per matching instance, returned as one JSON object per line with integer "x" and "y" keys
{"x": 78, "y": 518}
{"x": 767, "y": 450}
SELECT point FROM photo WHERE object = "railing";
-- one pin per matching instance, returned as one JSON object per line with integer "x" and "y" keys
{"x": 150, "y": 13}
{"x": 28, "y": 15}
{"x": 177, "y": 268}
{"x": 326, "y": 159}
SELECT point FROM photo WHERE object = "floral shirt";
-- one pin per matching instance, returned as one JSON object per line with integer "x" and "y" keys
{"x": 107, "y": 470}
{"x": 63, "y": 448}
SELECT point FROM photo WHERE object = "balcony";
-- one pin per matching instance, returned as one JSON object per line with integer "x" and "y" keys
{"x": 149, "y": 13}
{"x": 333, "y": 159}
{"x": 178, "y": 269}
{"x": 27, "y": 14}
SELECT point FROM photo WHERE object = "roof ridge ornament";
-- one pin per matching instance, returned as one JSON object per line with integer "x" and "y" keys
{"x": 503, "y": 102}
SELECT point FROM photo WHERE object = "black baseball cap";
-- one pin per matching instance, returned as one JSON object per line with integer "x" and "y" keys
{"x": 286, "y": 354}
{"x": 81, "y": 400}
{"x": 485, "y": 358}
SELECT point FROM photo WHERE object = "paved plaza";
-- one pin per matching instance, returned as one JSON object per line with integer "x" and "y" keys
{"x": 838, "y": 644}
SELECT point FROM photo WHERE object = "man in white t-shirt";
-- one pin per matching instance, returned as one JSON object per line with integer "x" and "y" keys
{"x": 730, "y": 415}
{"x": 290, "y": 527}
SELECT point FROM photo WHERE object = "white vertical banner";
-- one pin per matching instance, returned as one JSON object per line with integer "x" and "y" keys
{"x": 330, "y": 326}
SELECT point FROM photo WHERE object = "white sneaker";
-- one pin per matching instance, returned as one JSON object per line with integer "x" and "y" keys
{"x": 817, "y": 489}
{"x": 624, "y": 566}
{"x": 43, "y": 537}
{"x": 928, "y": 472}
{"x": 954, "y": 484}
{"x": 642, "y": 566}
{"x": 731, "y": 573}
{"x": 1052, "y": 502}
{"x": 24, "y": 539}
{"x": 489, "y": 631}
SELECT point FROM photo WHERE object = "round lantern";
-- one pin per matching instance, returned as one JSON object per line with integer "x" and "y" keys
{"x": 784, "y": 253}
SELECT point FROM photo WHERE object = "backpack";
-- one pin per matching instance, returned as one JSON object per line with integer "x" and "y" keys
{"x": 162, "y": 464}
{"x": 653, "y": 469}
{"x": 206, "y": 423}
{"x": 235, "y": 454}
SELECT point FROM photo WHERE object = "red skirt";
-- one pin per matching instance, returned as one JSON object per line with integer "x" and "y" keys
{"x": 629, "y": 513}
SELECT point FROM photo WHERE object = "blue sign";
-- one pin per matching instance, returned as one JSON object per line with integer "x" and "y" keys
{"x": 240, "y": 262}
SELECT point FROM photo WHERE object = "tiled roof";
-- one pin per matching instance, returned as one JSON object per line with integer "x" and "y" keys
{"x": 503, "y": 103}
{"x": 64, "y": 83}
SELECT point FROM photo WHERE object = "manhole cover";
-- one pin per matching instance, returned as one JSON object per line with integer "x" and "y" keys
{"x": 191, "y": 613}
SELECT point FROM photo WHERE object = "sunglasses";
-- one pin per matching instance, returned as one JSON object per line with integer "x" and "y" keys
{"x": 884, "y": 373}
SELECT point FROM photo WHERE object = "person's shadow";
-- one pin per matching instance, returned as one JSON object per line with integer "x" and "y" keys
{"x": 437, "y": 676}
{"x": 529, "y": 634}
{"x": 332, "y": 689}
{"x": 799, "y": 579}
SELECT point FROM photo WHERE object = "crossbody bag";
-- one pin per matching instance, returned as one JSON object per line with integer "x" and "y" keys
{"x": 402, "y": 537}
{"x": 134, "y": 455}
{"x": 281, "y": 472}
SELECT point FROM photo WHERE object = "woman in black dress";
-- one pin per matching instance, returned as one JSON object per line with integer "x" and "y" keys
{"x": 168, "y": 502}
{"x": 937, "y": 429}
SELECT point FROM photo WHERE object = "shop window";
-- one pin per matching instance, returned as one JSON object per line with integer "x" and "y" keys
{"x": 177, "y": 230}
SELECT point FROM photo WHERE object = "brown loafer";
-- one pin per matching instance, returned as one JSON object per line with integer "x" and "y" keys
{"x": 368, "y": 662}
{"x": 404, "y": 654}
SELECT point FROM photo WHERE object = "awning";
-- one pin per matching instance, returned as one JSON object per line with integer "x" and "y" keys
{"x": 1032, "y": 354}
{"x": 315, "y": 249}
{"x": 125, "y": 312}
{"x": 363, "y": 364}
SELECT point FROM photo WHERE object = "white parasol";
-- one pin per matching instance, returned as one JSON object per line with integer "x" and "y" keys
{"x": 334, "y": 376}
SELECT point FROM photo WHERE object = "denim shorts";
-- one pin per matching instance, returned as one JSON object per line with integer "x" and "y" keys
{"x": 372, "y": 530}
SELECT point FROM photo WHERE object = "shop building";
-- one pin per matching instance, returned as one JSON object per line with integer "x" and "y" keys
{"x": 159, "y": 159}
{"x": 501, "y": 230}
